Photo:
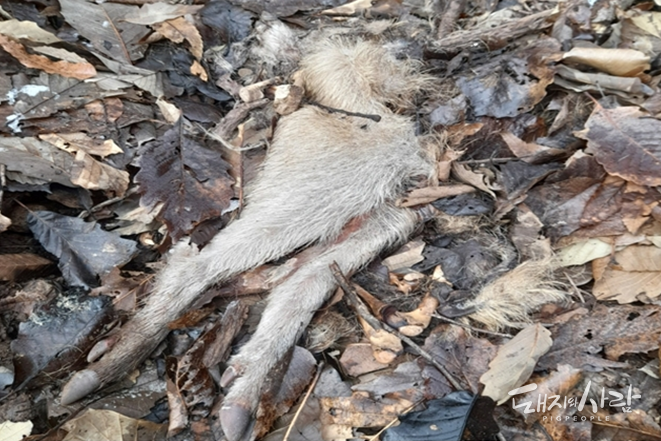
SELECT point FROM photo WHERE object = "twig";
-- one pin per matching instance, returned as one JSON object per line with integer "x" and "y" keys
{"x": 361, "y": 309}
{"x": 463, "y": 325}
{"x": 375, "y": 118}
{"x": 494, "y": 38}
{"x": 320, "y": 366}
{"x": 97, "y": 207}
{"x": 394, "y": 420}
{"x": 488, "y": 161}
{"x": 3, "y": 181}
{"x": 450, "y": 17}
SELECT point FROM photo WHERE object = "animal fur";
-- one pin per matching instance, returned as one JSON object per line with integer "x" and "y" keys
{"x": 509, "y": 300}
{"x": 329, "y": 179}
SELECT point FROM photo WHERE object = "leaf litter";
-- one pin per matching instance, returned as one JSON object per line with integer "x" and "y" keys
{"x": 126, "y": 119}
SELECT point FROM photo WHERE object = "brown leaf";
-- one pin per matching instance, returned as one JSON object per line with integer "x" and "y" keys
{"x": 36, "y": 160}
{"x": 13, "y": 266}
{"x": 358, "y": 359}
{"x": 359, "y": 410}
{"x": 515, "y": 361}
{"x": 73, "y": 142}
{"x": 79, "y": 71}
{"x": 617, "y": 330}
{"x": 426, "y": 195}
{"x": 91, "y": 174}
{"x": 511, "y": 84}
{"x": 110, "y": 425}
{"x": 465, "y": 356}
{"x": 104, "y": 26}
{"x": 620, "y": 62}
{"x": 405, "y": 257}
{"x": 180, "y": 29}
{"x": 560, "y": 382}
{"x": 625, "y": 141}
{"x": 632, "y": 274}
{"x": 189, "y": 180}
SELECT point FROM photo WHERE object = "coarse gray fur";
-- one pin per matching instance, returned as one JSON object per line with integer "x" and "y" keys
{"x": 323, "y": 170}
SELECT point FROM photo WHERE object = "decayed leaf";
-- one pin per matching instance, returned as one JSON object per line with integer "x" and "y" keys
{"x": 584, "y": 251}
{"x": 80, "y": 70}
{"x": 385, "y": 346}
{"x": 464, "y": 356}
{"x": 13, "y": 265}
{"x": 104, "y": 26}
{"x": 630, "y": 275}
{"x": 84, "y": 249}
{"x": 189, "y": 180}
{"x": 58, "y": 336}
{"x": 511, "y": 84}
{"x": 170, "y": 112}
{"x": 74, "y": 142}
{"x": 91, "y": 174}
{"x": 578, "y": 81}
{"x": 36, "y": 159}
{"x": 560, "y": 382}
{"x": 44, "y": 163}
{"x": 359, "y": 410}
{"x": 151, "y": 13}
{"x": 620, "y": 62}
{"x": 406, "y": 257}
{"x": 625, "y": 142}
{"x": 515, "y": 362}
{"x": 110, "y": 425}
{"x": 426, "y": 195}
{"x": 615, "y": 330}
{"x": 180, "y": 29}
{"x": 477, "y": 180}
{"x": 358, "y": 359}
{"x": 27, "y": 30}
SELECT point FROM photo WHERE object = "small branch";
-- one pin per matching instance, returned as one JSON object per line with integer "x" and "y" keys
{"x": 97, "y": 207}
{"x": 3, "y": 181}
{"x": 320, "y": 367}
{"x": 361, "y": 309}
{"x": 375, "y": 118}
{"x": 450, "y": 17}
{"x": 463, "y": 325}
{"x": 494, "y": 38}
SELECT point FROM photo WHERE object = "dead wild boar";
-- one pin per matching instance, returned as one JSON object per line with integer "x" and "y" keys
{"x": 330, "y": 180}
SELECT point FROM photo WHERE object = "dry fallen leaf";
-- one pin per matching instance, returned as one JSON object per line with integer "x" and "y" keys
{"x": 179, "y": 29}
{"x": 152, "y": 13}
{"x": 631, "y": 275}
{"x": 385, "y": 346}
{"x": 111, "y": 426}
{"x": 73, "y": 142}
{"x": 104, "y": 26}
{"x": 13, "y": 265}
{"x": 515, "y": 362}
{"x": 405, "y": 257}
{"x": 81, "y": 71}
{"x": 625, "y": 141}
{"x": 27, "y": 30}
{"x": 620, "y": 62}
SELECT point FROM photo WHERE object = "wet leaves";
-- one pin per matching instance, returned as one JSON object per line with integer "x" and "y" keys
{"x": 187, "y": 180}
{"x": 83, "y": 249}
